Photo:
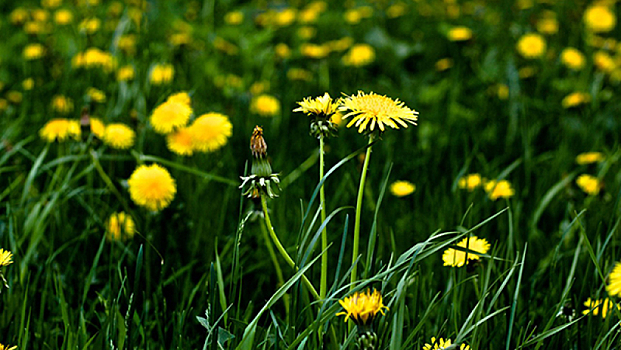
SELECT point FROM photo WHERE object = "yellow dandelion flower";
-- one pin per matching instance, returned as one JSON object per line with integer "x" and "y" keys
{"x": 152, "y": 187}
{"x": 6, "y": 257}
{"x": 94, "y": 58}
{"x": 314, "y": 51}
{"x": 359, "y": 55}
{"x": 33, "y": 51}
{"x": 127, "y": 44}
{"x": 282, "y": 50}
{"x": 28, "y": 84}
{"x": 322, "y": 105}
{"x": 604, "y": 62}
{"x": 265, "y": 105}
{"x": 502, "y": 90}
{"x": 547, "y": 25}
{"x": 40, "y": 15}
{"x": 96, "y": 95}
{"x": 60, "y": 130}
{"x": 62, "y": 104}
{"x": 367, "y": 110}
{"x": 90, "y": 25}
{"x": 572, "y": 58}
{"x": 180, "y": 142}
{"x": 306, "y": 32}
{"x": 63, "y": 17}
{"x": 589, "y": 158}
{"x": 7, "y": 347}
{"x": 470, "y": 182}
{"x": 234, "y": 18}
{"x": 597, "y": 306}
{"x": 459, "y": 34}
{"x": 340, "y": 44}
{"x": 258, "y": 87}
{"x": 454, "y": 257}
{"x": 396, "y": 10}
{"x": 181, "y": 97}
{"x": 575, "y": 99}
{"x": 170, "y": 115}
{"x": 402, "y": 188}
{"x": 98, "y": 128}
{"x": 120, "y": 227}
{"x": 500, "y": 189}
{"x": 52, "y": 4}
{"x": 119, "y": 136}
{"x": 19, "y": 16}
{"x": 531, "y": 45}
{"x": 599, "y": 19}
{"x": 210, "y": 131}
{"x": 589, "y": 184}
{"x": 299, "y": 74}
{"x": 441, "y": 344}
{"x": 14, "y": 96}
{"x": 444, "y": 64}
{"x": 125, "y": 73}
{"x": 161, "y": 74}
{"x": 614, "y": 281}
{"x": 362, "y": 307}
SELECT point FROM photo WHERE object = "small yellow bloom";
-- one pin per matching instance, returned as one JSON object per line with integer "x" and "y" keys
{"x": 170, "y": 115}
{"x": 396, "y": 10}
{"x": 614, "y": 281}
{"x": 60, "y": 130}
{"x": 444, "y": 64}
{"x": 547, "y": 25}
{"x": 120, "y": 227}
{"x": 51, "y": 4}
{"x": 604, "y": 62}
{"x": 282, "y": 50}
{"x": 125, "y": 73}
{"x": 314, "y": 51}
{"x": 367, "y": 110}
{"x": 63, "y": 17}
{"x": 454, "y": 257}
{"x": 265, "y": 105}
{"x": 161, "y": 74}
{"x": 19, "y": 16}
{"x": 359, "y": 55}
{"x": 362, "y": 307}
{"x": 62, "y": 104}
{"x": 306, "y": 32}
{"x": 340, "y": 44}
{"x": 402, "y": 188}
{"x": 119, "y": 136}
{"x": 90, "y": 25}
{"x": 6, "y": 257}
{"x": 98, "y": 128}
{"x": 299, "y": 74}
{"x": 470, "y": 182}
{"x": 127, "y": 44}
{"x": 14, "y": 96}
{"x": 460, "y": 34}
{"x": 28, "y": 84}
{"x": 40, "y": 15}
{"x": 234, "y": 18}
{"x": 572, "y": 58}
{"x": 531, "y": 45}
{"x": 589, "y": 184}
{"x": 527, "y": 72}
{"x": 599, "y": 19}
{"x": 7, "y": 347}
{"x": 575, "y": 99}
{"x": 96, "y": 95}
{"x": 502, "y": 90}
{"x": 210, "y": 132}
{"x": 500, "y": 189}
{"x": 152, "y": 187}
{"x": 589, "y": 158}
{"x": 319, "y": 106}
{"x": 33, "y": 51}
{"x": 180, "y": 142}
{"x": 94, "y": 58}
{"x": 597, "y": 305}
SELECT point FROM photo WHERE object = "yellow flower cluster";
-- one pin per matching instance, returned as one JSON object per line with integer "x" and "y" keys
{"x": 362, "y": 307}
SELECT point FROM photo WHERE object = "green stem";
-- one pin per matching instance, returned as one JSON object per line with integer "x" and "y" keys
{"x": 323, "y": 285}
{"x": 270, "y": 249}
{"x": 282, "y": 250}
{"x": 363, "y": 177}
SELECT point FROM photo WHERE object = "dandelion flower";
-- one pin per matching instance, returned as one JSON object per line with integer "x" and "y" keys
{"x": 604, "y": 62}
{"x": 614, "y": 286}
{"x": 125, "y": 73}
{"x": 359, "y": 55}
{"x": 96, "y": 95}
{"x": 460, "y": 34}
{"x": 180, "y": 142}
{"x": 265, "y": 105}
{"x": 454, "y": 257}
{"x": 62, "y": 104}
{"x": 599, "y": 19}
{"x": 170, "y": 115}
{"x": 402, "y": 188}
{"x": 152, "y": 187}
{"x": 572, "y": 58}
{"x": 7, "y": 347}
{"x": 500, "y": 189}
{"x": 60, "y": 129}
{"x": 120, "y": 227}
{"x": 575, "y": 99}
{"x": 589, "y": 158}
{"x": 470, "y": 182}
{"x": 210, "y": 131}
{"x": 234, "y": 18}
{"x": 531, "y": 45}
{"x": 367, "y": 110}
{"x": 598, "y": 305}
{"x": 181, "y": 97}
{"x": 161, "y": 74}
{"x": 98, "y": 128}
{"x": 444, "y": 64}
{"x": 362, "y": 307}
{"x": 119, "y": 136}
{"x": 33, "y": 52}
{"x": 6, "y": 257}
{"x": 441, "y": 344}
{"x": 589, "y": 184}
{"x": 63, "y": 17}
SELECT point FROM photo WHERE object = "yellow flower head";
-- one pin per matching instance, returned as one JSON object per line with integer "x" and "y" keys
{"x": 362, "y": 307}
{"x": 265, "y": 105}
{"x": 402, "y": 188}
{"x": 572, "y": 58}
{"x": 28, "y": 84}
{"x": 170, "y": 115}
{"x": 470, "y": 182}
{"x": 62, "y": 104}
{"x": 454, "y": 257}
{"x": 500, "y": 189}
{"x": 318, "y": 106}
{"x": 63, "y": 17}
{"x": 367, "y": 110}
{"x": 125, "y": 73}
{"x": 614, "y": 281}
{"x": 7, "y": 347}
{"x": 162, "y": 74}
{"x": 359, "y": 55}
{"x": 589, "y": 158}
{"x": 598, "y": 305}
{"x": 531, "y": 45}
{"x": 94, "y": 58}
{"x": 33, "y": 51}
{"x": 96, "y": 95}
{"x": 180, "y": 142}
{"x": 314, "y": 51}
{"x": 210, "y": 131}
{"x": 120, "y": 227}
{"x": 575, "y": 99}
{"x": 60, "y": 129}
{"x": 119, "y": 136}
{"x": 547, "y": 25}
{"x": 589, "y": 184}
{"x": 98, "y": 128}
{"x": 90, "y": 25}
{"x": 152, "y": 187}
{"x": 234, "y": 18}
{"x": 441, "y": 344}
{"x": 599, "y": 19}
{"x": 604, "y": 62}
{"x": 444, "y": 64}
{"x": 459, "y": 34}
{"x": 181, "y": 97}
{"x": 6, "y": 257}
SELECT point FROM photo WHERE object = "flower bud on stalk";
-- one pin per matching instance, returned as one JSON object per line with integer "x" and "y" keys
{"x": 261, "y": 177}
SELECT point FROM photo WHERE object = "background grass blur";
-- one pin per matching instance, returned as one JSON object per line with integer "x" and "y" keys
{"x": 198, "y": 274}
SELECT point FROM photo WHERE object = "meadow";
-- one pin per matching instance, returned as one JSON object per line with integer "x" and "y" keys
{"x": 409, "y": 174}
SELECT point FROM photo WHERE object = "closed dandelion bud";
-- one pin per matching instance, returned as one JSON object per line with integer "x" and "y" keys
{"x": 261, "y": 178}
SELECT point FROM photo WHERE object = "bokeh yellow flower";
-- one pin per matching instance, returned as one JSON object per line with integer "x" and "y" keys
{"x": 33, "y": 51}
{"x": 152, "y": 187}
{"x": 15, "y": 97}
{"x": 169, "y": 116}
{"x": 547, "y": 25}
{"x": 63, "y": 17}
{"x": 282, "y": 50}
{"x": 572, "y": 58}
{"x": 51, "y": 4}
{"x": 589, "y": 184}
{"x": 599, "y": 306}
{"x": 362, "y": 307}
{"x": 589, "y": 158}
{"x": 125, "y": 73}
{"x": 180, "y": 142}
{"x": 120, "y": 227}
{"x": 96, "y": 95}
{"x": 234, "y": 18}
{"x": 210, "y": 131}
{"x": 161, "y": 74}
{"x": 94, "y": 58}
{"x": 613, "y": 288}
{"x": 90, "y": 25}
{"x": 531, "y": 45}
{"x": 28, "y": 84}
{"x": 604, "y": 62}
{"x": 265, "y": 105}
{"x": 454, "y": 257}
{"x": 119, "y": 136}
{"x": 599, "y": 19}
{"x": 402, "y": 188}
{"x": 6, "y": 257}
{"x": 60, "y": 129}
{"x": 62, "y": 104}
{"x": 299, "y": 74}
{"x": 19, "y": 16}
{"x": 98, "y": 128}
{"x": 444, "y": 64}
{"x": 369, "y": 110}
{"x": 500, "y": 189}
{"x": 314, "y": 51}
{"x": 359, "y": 55}
{"x": 459, "y": 34}
{"x": 470, "y": 182}
{"x": 575, "y": 99}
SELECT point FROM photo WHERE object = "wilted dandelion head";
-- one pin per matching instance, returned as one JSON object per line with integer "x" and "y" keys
{"x": 531, "y": 45}
{"x": 589, "y": 184}
{"x": 60, "y": 129}
{"x": 599, "y": 306}
{"x": 362, "y": 307}
{"x": 589, "y": 158}
{"x": 614, "y": 281}
{"x": 265, "y": 105}
{"x": 499, "y": 189}
{"x": 454, "y": 257}
{"x": 359, "y": 55}
{"x": 402, "y": 188}
{"x": 6, "y": 257}
{"x": 119, "y": 136}
{"x": 120, "y": 227}
{"x": 368, "y": 110}
{"x": 599, "y": 19}
{"x": 210, "y": 131}
{"x": 170, "y": 115}
{"x": 180, "y": 142}
{"x": 152, "y": 187}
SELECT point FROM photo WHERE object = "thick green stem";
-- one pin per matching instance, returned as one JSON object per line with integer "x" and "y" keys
{"x": 323, "y": 285}
{"x": 363, "y": 177}
{"x": 281, "y": 249}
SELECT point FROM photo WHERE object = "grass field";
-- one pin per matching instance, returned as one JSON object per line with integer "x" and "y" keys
{"x": 310, "y": 175}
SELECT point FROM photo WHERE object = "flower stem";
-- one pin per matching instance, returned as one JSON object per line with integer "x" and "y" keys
{"x": 363, "y": 177}
{"x": 323, "y": 285}
{"x": 270, "y": 249}
{"x": 281, "y": 249}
